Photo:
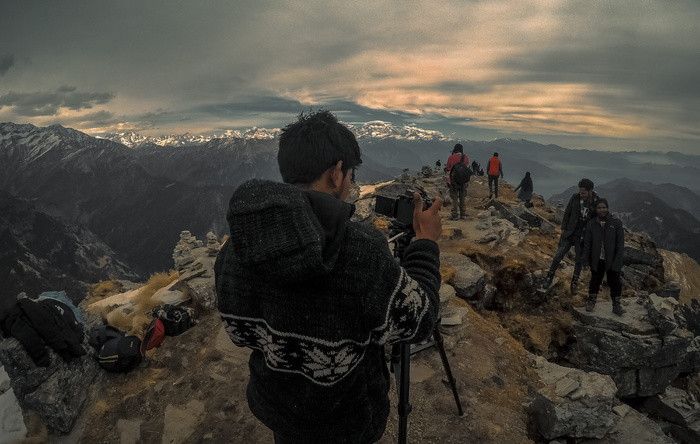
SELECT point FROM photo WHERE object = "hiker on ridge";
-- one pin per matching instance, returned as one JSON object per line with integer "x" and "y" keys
{"x": 526, "y": 188}
{"x": 494, "y": 168}
{"x": 317, "y": 296}
{"x": 579, "y": 210}
{"x": 603, "y": 248}
{"x": 457, "y": 177}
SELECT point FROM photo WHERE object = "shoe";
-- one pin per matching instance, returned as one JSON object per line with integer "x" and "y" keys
{"x": 454, "y": 217}
{"x": 548, "y": 279}
{"x": 574, "y": 285}
{"x": 617, "y": 307}
{"x": 590, "y": 303}
{"x": 463, "y": 216}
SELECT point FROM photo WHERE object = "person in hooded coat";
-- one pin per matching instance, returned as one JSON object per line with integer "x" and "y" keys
{"x": 317, "y": 296}
{"x": 526, "y": 188}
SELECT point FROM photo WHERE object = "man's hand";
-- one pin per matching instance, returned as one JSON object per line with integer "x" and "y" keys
{"x": 427, "y": 224}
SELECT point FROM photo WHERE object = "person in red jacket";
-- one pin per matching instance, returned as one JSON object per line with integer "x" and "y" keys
{"x": 494, "y": 169}
{"x": 458, "y": 193}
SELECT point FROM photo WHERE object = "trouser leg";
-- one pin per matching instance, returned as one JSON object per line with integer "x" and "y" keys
{"x": 562, "y": 248}
{"x": 495, "y": 187}
{"x": 578, "y": 253}
{"x": 490, "y": 186}
{"x": 596, "y": 278}
{"x": 454, "y": 195}
{"x": 463, "y": 200}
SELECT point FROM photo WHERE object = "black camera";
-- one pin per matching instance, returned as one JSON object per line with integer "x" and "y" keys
{"x": 402, "y": 207}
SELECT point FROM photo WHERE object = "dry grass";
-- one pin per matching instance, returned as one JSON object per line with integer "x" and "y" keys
{"x": 381, "y": 224}
{"x": 103, "y": 289}
{"x": 447, "y": 273}
{"x": 37, "y": 433}
{"x": 135, "y": 318}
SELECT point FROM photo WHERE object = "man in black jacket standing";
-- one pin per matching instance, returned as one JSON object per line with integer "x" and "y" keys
{"x": 317, "y": 296}
{"x": 603, "y": 249}
{"x": 579, "y": 210}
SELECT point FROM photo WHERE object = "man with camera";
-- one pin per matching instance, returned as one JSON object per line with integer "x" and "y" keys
{"x": 317, "y": 296}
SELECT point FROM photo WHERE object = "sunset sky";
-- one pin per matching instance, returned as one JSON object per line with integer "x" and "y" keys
{"x": 612, "y": 75}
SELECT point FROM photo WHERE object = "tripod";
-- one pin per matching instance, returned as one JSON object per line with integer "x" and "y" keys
{"x": 401, "y": 352}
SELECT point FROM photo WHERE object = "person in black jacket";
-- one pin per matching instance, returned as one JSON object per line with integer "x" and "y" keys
{"x": 526, "y": 188}
{"x": 603, "y": 249}
{"x": 317, "y": 296}
{"x": 579, "y": 210}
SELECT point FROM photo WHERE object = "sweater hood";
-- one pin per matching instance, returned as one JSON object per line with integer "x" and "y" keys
{"x": 280, "y": 231}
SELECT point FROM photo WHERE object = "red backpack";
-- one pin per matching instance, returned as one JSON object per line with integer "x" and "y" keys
{"x": 154, "y": 336}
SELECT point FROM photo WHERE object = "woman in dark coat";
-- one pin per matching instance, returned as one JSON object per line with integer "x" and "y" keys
{"x": 526, "y": 187}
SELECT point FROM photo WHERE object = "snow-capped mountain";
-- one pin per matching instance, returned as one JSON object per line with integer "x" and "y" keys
{"x": 375, "y": 129}
{"x": 136, "y": 140}
{"x": 383, "y": 130}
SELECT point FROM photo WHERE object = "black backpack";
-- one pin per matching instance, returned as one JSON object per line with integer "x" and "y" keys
{"x": 460, "y": 172}
{"x": 116, "y": 352}
{"x": 176, "y": 319}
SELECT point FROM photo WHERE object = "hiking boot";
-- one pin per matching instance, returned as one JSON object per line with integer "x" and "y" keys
{"x": 463, "y": 216}
{"x": 574, "y": 285}
{"x": 617, "y": 307}
{"x": 454, "y": 217}
{"x": 590, "y": 303}
{"x": 548, "y": 279}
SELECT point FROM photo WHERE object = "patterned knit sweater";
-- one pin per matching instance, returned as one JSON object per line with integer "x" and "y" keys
{"x": 316, "y": 296}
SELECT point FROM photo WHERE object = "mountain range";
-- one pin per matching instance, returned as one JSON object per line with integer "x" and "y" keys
{"x": 136, "y": 193}
{"x": 41, "y": 253}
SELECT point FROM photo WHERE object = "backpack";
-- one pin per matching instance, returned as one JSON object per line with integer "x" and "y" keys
{"x": 116, "y": 352}
{"x": 176, "y": 320}
{"x": 154, "y": 336}
{"x": 460, "y": 172}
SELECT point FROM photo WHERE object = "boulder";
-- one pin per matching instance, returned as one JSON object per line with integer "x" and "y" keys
{"x": 469, "y": 279}
{"x": 633, "y": 427}
{"x": 640, "y": 358}
{"x": 680, "y": 409}
{"x": 55, "y": 393}
{"x": 572, "y": 403}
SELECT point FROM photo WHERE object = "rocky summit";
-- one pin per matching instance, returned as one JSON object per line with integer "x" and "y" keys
{"x": 531, "y": 364}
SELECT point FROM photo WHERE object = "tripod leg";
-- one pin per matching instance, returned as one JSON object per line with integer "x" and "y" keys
{"x": 446, "y": 364}
{"x": 401, "y": 364}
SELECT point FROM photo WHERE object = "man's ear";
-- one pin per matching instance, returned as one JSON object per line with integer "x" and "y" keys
{"x": 337, "y": 176}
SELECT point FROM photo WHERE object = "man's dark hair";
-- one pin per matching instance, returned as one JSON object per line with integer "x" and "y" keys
{"x": 458, "y": 148}
{"x": 602, "y": 200}
{"x": 586, "y": 183}
{"x": 314, "y": 143}
{"x": 495, "y": 154}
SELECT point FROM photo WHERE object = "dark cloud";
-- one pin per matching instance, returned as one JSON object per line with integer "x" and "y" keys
{"x": 49, "y": 103}
{"x": 6, "y": 62}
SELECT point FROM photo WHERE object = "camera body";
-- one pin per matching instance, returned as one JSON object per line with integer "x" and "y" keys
{"x": 401, "y": 208}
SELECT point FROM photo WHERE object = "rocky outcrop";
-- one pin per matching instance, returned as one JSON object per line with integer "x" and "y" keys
{"x": 55, "y": 393}
{"x": 469, "y": 279}
{"x": 642, "y": 264}
{"x": 572, "y": 403}
{"x": 680, "y": 410}
{"x": 633, "y": 427}
{"x": 12, "y": 428}
{"x": 643, "y": 351}
{"x": 195, "y": 263}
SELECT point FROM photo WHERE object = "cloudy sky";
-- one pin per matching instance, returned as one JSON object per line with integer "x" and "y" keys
{"x": 599, "y": 74}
